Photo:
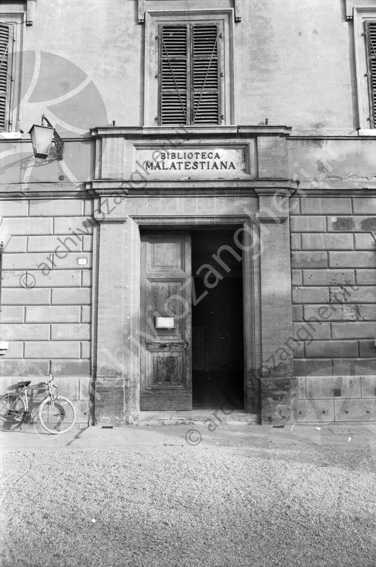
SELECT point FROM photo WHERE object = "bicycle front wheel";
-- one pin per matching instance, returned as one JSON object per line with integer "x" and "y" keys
{"x": 12, "y": 409}
{"x": 57, "y": 415}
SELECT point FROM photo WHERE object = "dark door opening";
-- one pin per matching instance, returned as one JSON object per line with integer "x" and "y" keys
{"x": 217, "y": 321}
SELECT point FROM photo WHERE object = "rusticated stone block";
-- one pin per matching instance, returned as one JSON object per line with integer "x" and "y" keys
{"x": 277, "y": 398}
{"x": 330, "y": 241}
{"x": 297, "y": 313}
{"x": 364, "y": 205}
{"x": 311, "y": 331}
{"x": 332, "y": 349}
{"x": 85, "y": 314}
{"x": 17, "y": 244}
{"x": 53, "y": 314}
{"x": 313, "y": 411}
{"x": 351, "y": 224}
{"x": 310, "y": 294}
{"x": 66, "y": 208}
{"x": 368, "y": 386}
{"x": 306, "y": 367}
{"x": 14, "y": 208}
{"x": 71, "y": 367}
{"x": 326, "y": 206}
{"x": 354, "y": 366}
{"x": 14, "y": 296}
{"x": 363, "y": 294}
{"x": 78, "y": 225}
{"x": 51, "y": 243}
{"x": 53, "y": 349}
{"x": 296, "y": 276}
{"x": 364, "y": 242}
{"x": 308, "y": 224}
{"x": 366, "y": 277}
{"x": 65, "y": 332}
{"x": 71, "y": 296}
{"x": 309, "y": 260}
{"x": 24, "y": 332}
{"x": 68, "y": 386}
{"x": 15, "y": 350}
{"x": 351, "y": 259}
{"x": 12, "y": 314}
{"x": 296, "y": 242}
{"x": 340, "y": 312}
{"x": 341, "y": 224}
{"x": 23, "y": 367}
{"x": 29, "y": 226}
{"x": 301, "y": 392}
{"x": 354, "y": 330}
{"x": 367, "y": 347}
{"x": 328, "y": 277}
{"x": 56, "y": 278}
{"x": 355, "y": 410}
{"x": 319, "y": 387}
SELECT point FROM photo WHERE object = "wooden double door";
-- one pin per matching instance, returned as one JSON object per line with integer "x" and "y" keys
{"x": 169, "y": 292}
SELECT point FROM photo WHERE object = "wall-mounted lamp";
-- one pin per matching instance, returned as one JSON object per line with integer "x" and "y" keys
{"x": 42, "y": 137}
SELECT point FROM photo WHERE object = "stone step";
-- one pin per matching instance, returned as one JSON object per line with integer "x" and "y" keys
{"x": 195, "y": 417}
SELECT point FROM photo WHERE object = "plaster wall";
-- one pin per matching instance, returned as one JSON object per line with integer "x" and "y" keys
{"x": 292, "y": 63}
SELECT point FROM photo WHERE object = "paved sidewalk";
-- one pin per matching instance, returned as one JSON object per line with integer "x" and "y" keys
{"x": 232, "y": 435}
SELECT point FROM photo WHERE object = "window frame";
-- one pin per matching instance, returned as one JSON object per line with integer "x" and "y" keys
{"x": 153, "y": 19}
{"x": 12, "y": 119}
{"x": 190, "y": 77}
{"x": 361, "y": 15}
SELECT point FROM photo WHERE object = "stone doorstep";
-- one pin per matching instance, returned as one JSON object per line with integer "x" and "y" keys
{"x": 193, "y": 417}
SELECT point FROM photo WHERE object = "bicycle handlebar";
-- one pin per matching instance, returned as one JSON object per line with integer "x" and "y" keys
{"x": 49, "y": 381}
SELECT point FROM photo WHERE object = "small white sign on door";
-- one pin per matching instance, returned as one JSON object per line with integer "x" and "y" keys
{"x": 164, "y": 322}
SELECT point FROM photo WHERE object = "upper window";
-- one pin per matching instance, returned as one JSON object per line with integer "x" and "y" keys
{"x": 370, "y": 34}
{"x": 363, "y": 15}
{"x": 188, "y": 68}
{"x": 11, "y": 30}
{"x": 190, "y": 74}
{"x": 6, "y": 74}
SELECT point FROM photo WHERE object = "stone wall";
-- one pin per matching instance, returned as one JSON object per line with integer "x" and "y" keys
{"x": 46, "y": 294}
{"x": 334, "y": 307}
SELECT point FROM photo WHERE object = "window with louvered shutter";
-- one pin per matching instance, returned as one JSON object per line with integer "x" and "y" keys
{"x": 5, "y": 68}
{"x": 371, "y": 55}
{"x": 189, "y": 74}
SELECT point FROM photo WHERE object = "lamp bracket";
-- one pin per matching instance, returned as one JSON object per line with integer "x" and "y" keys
{"x": 59, "y": 144}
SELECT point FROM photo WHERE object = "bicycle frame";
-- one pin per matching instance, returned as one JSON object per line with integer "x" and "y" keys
{"x": 22, "y": 394}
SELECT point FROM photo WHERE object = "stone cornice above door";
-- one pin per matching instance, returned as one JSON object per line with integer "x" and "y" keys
{"x": 226, "y": 156}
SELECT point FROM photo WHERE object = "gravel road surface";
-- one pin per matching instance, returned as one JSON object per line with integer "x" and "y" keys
{"x": 176, "y": 505}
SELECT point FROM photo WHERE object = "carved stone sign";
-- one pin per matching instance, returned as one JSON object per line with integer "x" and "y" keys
{"x": 193, "y": 162}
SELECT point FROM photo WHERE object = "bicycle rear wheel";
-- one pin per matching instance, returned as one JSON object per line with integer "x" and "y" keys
{"x": 57, "y": 415}
{"x": 12, "y": 408}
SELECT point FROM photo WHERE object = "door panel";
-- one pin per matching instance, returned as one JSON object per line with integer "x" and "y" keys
{"x": 166, "y": 381}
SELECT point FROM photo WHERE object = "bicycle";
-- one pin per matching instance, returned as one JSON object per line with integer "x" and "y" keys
{"x": 56, "y": 413}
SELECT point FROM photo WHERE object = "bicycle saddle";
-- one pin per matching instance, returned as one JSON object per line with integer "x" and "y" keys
{"x": 20, "y": 384}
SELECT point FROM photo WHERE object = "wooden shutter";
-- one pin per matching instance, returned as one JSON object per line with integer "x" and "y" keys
{"x": 5, "y": 69}
{"x": 371, "y": 53}
{"x": 173, "y": 73}
{"x": 205, "y": 72}
{"x": 189, "y": 74}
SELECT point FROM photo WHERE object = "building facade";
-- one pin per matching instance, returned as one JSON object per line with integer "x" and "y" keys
{"x": 207, "y": 238}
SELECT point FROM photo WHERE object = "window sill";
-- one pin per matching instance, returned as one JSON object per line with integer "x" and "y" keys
{"x": 367, "y": 132}
{"x": 14, "y": 136}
